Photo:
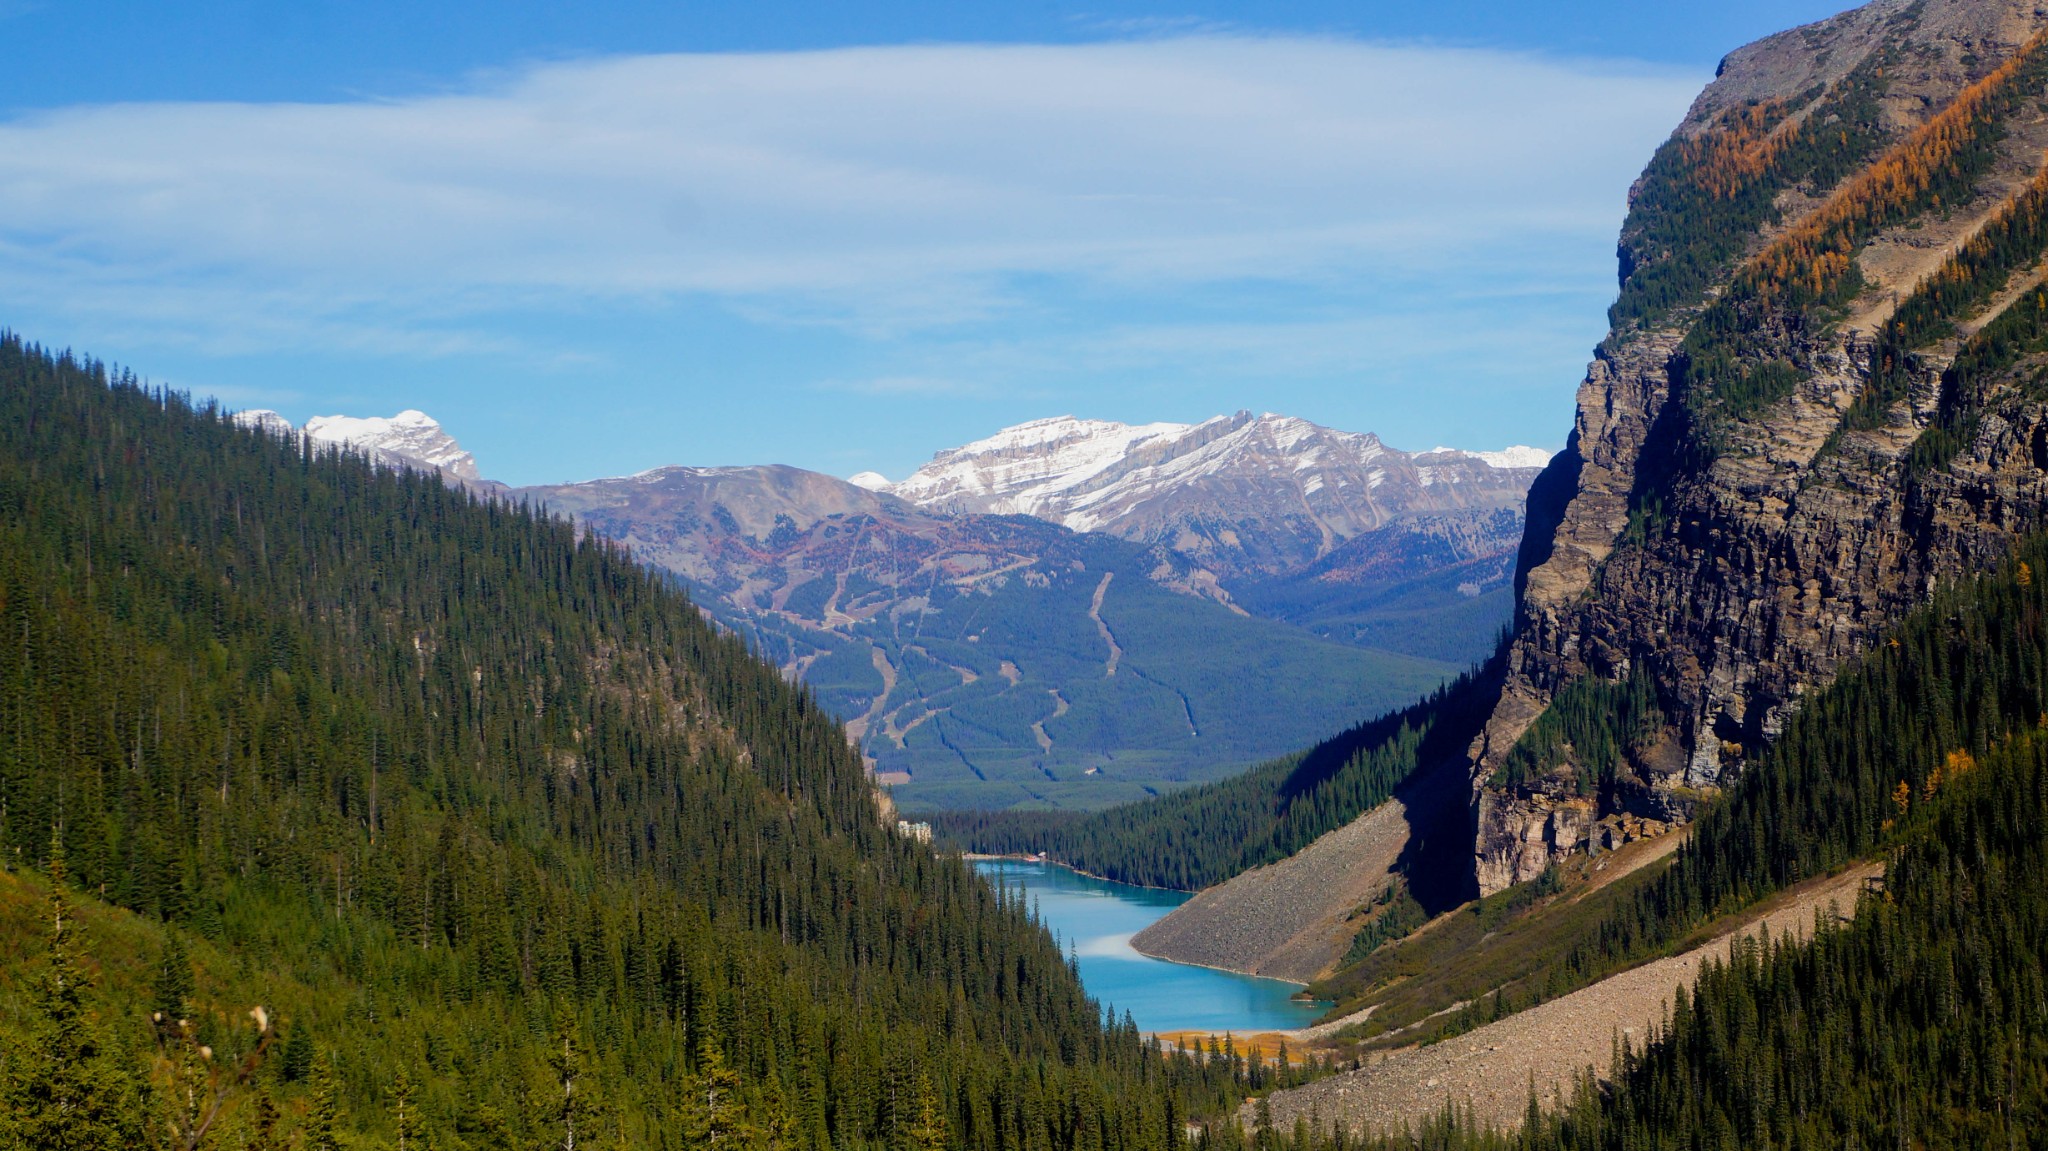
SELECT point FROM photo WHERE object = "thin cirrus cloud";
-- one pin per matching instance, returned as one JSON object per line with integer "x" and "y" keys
{"x": 888, "y": 190}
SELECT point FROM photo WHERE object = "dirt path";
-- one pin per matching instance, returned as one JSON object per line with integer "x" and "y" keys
{"x": 833, "y": 616}
{"x": 1095, "y": 613}
{"x": 1492, "y": 1068}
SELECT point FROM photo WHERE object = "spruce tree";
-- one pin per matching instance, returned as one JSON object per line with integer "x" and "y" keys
{"x": 69, "y": 1087}
{"x": 173, "y": 990}
{"x": 405, "y": 1113}
{"x": 323, "y": 1125}
{"x": 714, "y": 1116}
{"x": 928, "y": 1130}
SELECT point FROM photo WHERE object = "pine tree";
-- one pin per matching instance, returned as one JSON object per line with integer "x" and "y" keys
{"x": 261, "y": 1129}
{"x": 323, "y": 1125}
{"x": 173, "y": 989}
{"x": 69, "y": 1088}
{"x": 566, "y": 1114}
{"x": 405, "y": 1113}
{"x": 714, "y": 1116}
{"x": 295, "y": 1060}
{"x": 928, "y": 1130}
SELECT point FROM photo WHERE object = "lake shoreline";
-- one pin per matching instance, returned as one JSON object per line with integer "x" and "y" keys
{"x": 981, "y": 857}
{"x": 1096, "y": 918}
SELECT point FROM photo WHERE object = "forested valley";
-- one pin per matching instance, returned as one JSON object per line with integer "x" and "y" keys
{"x": 510, "y": 845}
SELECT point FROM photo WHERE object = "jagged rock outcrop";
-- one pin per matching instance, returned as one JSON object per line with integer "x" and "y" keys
{"x": 1785, "y": 442}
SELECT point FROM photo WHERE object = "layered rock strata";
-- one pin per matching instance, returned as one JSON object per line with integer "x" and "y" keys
{"x": 1737, "y": 553}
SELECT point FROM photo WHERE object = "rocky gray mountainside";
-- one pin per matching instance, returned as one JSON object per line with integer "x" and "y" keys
{"x": 1820, "y": 399}
{"x": 1245, "y": 496}
{"x": 1331, "y": 531}
{"x": 989, "y": 661}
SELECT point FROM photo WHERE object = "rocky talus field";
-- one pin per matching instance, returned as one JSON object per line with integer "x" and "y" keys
{"x": 1547, "y": 1047}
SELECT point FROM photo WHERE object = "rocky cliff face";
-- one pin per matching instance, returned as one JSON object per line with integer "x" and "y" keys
{"x": 1820, "y": 399}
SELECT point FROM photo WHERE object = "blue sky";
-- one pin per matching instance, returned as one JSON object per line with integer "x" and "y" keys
{"x": 598, "y": 238}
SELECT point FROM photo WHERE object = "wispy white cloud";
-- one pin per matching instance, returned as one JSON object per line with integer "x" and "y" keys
{"x": 883, "y": 189}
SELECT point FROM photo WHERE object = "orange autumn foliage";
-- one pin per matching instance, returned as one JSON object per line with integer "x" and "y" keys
{"x": 1737, "y": 149}
{"x": 1813, "y": 256}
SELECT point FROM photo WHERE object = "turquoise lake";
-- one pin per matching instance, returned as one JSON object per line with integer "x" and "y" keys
{"x": 1098, "y": 918}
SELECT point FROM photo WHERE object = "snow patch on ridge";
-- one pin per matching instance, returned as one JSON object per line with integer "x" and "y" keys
{"x": 1516, "y": 456}
{"x": 1167, "y": 482}
{"x": 410, "y": 437}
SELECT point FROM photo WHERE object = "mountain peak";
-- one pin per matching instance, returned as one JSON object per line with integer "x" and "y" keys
{"x": 410, "y": 437}
{"x": 1222, "y": 486}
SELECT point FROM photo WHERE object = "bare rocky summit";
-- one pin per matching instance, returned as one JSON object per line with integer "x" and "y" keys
{"x": 410, "y": 439}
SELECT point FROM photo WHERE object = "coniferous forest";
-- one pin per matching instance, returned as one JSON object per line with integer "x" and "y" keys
{"x": 346, "y": 807}
{"x": 512, "y": 847}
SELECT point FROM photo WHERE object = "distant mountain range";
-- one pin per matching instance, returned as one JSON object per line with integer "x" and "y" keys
{"x": 1243, "y": 494}
{"x": 1075, "y": 612}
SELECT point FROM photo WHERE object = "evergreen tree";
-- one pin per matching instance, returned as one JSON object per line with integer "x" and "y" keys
{"x": 173, "y": 990}
{"x": 714, "y": 1115}
{"x": 68, "y": 1086}
{"x": 928, "y": 1130}
{"x": 407, "y": 1125}
{"x": 262, "y": 1128}
{"x": 565, "y": 1113}
{"x": 323, "y": 1123}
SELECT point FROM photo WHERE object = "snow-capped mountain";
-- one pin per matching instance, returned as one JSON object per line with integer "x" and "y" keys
{"x": 410, "y": 437}
{"x": 1241, "y": 493}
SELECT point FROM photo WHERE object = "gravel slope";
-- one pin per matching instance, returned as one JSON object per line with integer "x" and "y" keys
{"x": 1491, "y": 1069}
{"x": 1288, "y": 920}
